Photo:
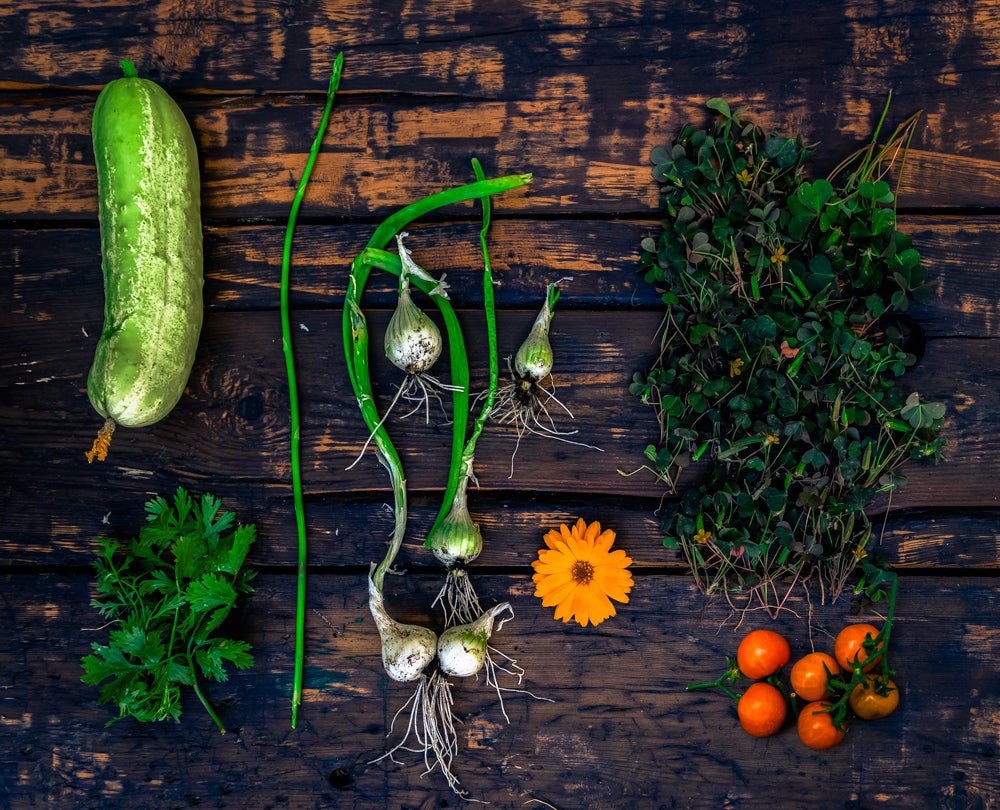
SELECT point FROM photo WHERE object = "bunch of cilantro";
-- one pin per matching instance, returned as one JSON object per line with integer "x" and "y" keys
{"x": 165, "y": 593}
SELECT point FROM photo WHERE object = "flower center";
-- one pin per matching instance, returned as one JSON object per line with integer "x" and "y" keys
{"x": 582, "y": 572}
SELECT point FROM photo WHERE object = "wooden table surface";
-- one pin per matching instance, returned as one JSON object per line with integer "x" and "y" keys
{"x": 577, "y": 94}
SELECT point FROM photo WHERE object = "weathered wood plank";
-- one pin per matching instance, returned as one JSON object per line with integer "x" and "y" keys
{"x": 237, "y": 398}
{"x": 381, "y": 156}
{"x": 350, "y": 532}
{"x": 229, "y": 434}
{"x": 629, "y": 61}
{"x": 635, "y": 738}
{"x": 596, "y": 259}
{"x": 54, "y": 271}
{"x": 431, "y": 51}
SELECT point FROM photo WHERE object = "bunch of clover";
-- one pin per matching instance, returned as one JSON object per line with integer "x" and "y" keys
{"x": 780, "y": 350}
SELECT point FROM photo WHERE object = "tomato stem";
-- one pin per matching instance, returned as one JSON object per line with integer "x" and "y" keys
{"x": 875, "y": 647}
{"x": 732, "y": 674}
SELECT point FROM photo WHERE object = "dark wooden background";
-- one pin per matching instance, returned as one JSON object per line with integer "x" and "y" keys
{"x": 577, "y": 93}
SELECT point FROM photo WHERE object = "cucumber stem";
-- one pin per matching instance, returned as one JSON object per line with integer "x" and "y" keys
{"x": 128, "y": 68}
{"x": 102, "y": 442}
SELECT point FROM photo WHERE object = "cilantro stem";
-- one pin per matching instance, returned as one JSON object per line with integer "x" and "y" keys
{"x": 286, "y": 343}
{"x": 202, "y": 698}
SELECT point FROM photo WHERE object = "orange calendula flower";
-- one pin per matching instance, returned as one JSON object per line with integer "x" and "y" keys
{"x": 580, "y": 574}
{"x": 779, "y": 257}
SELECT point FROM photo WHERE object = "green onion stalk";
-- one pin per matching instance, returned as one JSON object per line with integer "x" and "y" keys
{"x": 455, "y": 539}
{"x": 524, "y": 401}
{"x": 286, "y": 344}
{"x": 355, "y": 330}
{"x": 356, "y": 340}
{"x": 408, "y": 650}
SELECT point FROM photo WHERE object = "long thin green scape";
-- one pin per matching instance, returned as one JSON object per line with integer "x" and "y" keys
{"x": 293, "y": 400}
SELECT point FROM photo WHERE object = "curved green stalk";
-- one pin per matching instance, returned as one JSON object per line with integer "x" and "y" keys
{"x": 286, "y": 344}
{"x": 390, "y": 262}
{"x": 355, "y": 335}
{"x": 491, "y": 325}
{"x": 462, "y": 457}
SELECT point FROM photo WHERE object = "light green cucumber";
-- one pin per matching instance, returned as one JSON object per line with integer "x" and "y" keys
{"x": 150, "y": 215}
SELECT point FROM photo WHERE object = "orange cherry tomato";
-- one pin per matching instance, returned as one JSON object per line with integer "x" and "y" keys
{"x": 762, "y": 653}
{"x": 809, "y": 675}
{"x": 762, "y": 710}
{"x": 866, "y": 702}
{"x": 848, "y": 649}
{"x": 816, "y": 728}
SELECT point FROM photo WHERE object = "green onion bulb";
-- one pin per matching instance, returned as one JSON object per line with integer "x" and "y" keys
{"x": 462, "y": 650}
{"x": 533, "y": 360}
{"x": 412, "y": 340}
{"x": 456, "y": 539}
{"x": 407, "y": 649}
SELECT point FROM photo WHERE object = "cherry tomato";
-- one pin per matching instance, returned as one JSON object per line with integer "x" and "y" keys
{"x": 809, "y": 675}
{"x": 762, "y": 710}
{"x": 868, "y": 704}
{"x": 816, "y": 728}
{"x": 848, "y": 649}
{"x": 762, "y": 653}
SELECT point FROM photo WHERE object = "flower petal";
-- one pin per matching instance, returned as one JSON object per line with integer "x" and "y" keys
{"x": 582, "y": 593}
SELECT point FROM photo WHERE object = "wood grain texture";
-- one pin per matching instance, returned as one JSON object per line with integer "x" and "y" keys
{"x": 51, "y": 272}
{"x": 238, "y": 399}
{"x": 633, "y": 737}
{"x": 576, "y": 93}
{"x": 381, "y": 157}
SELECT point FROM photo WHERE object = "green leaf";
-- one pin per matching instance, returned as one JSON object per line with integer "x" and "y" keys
{"x": 658, "y": 155}
{"x": 815, "y": 195}
{"x": 821, "y": 274}
{"x": 784, "y": 151}
{"x": 721, "y": 106}
{"x": 210, "y": 592}
{"x": 166, "y": 592}
{"x": 189, "y": 553}
{"x": 774, "y": 498}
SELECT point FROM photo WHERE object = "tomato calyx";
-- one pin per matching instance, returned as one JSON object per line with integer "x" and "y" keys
{"x": 732, "y": 675}
{"x": 871, "y": 665}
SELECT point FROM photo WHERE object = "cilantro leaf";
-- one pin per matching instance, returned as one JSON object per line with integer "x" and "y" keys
{"x": 166, "y": 592}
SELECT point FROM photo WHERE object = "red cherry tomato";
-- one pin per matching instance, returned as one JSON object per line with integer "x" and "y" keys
{"x": 762, "y": 710}
{"x": 809, "y": 675}
{"x": 849, "y": 647}
{"x": 762, "y": 653}
{"x": 816, "y": 728}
